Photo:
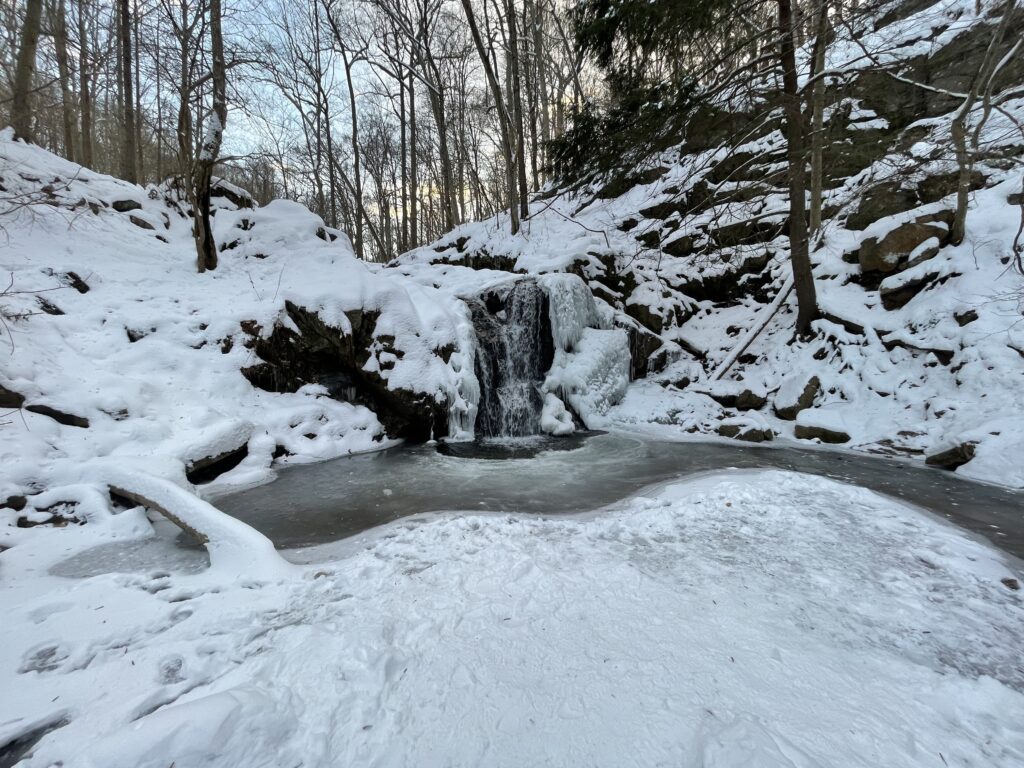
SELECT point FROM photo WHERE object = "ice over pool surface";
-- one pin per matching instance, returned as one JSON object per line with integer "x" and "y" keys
{"x": 760, "y": 619}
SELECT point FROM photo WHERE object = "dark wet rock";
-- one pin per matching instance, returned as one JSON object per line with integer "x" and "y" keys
{"x": 238, "y": 197}
{"x": 140, "y": 222}
{"x": 881, "y": 201}
{"x": 744, "y": 399}
{"x": 67, "y": 419}
{"x": 824, "y": 434}
{"x": 21, "y": 744}
{"x": 123, "y": 206}
{"x": 934, "y": 188}
{"x": 1010, "y": 583}
{"x": 893, "y": 251}
{"x": 48, "y": 306}
{"x": 944, "y": 356}
{"x": 10, "y": 399}
{"x": 1016, "y": 198}
{"x": 646, "y": 350}
{"x": 793, "y": 397}
{"x": 748, "y": 434}
{"x": 322, "y": 354}
{"x": 211, "y": 467}
{"x": 966, "y": 317}
{"x": 952, "y": 457}
{"x": 17, "y": 503}
{"x": 900, "y": 294}
{"x": 73, "y": 280}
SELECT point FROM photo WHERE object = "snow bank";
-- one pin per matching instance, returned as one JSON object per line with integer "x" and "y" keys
{"x": 116, "y": 331}
{"x": 736, "y": 620}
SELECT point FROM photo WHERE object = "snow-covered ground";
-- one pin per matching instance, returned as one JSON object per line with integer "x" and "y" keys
{"x": 151, "y": 353}
{"x": 738, "y": 620}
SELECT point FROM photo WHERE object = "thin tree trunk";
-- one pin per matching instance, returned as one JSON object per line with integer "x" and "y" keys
{"x": 60, "y": 46}
{"x": 803, "y": 279}
{"x": 213, "y": 134}
{"x": 504, "y": 121}
{"x": 21, "y": 100}
{"x": 817, "y": 116}
{"x": 356, "y": 169}
{"x": 84, "y": 92}
{"x": 128, "y": 157}
{"x": 403, "y": 245}
{"x": 517, "y": 108}
{"x": 414, "y": 188}
{"x": 139, "y": 163}
{"x": 964, "y": 156}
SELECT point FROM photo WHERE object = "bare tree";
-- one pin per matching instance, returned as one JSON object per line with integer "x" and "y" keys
{"x": 21, "y": 104}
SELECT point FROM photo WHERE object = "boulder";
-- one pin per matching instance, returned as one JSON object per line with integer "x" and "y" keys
{"x": 10, "y": 398}
{"x": 952, "y": 456}
{"x": 123, "y": 206}
{"x": 750, "y": 434}
{"x": 903, "y": 247}
{"x": 210, "y": 467}
{"x": 816, "y": 431}
{"x": 796, "y": 394}
{"x": 898, "y": 293}
{"x": 140, "y": 222}
{"x": 735, "y": 395}
{"x": 966, "y": 317}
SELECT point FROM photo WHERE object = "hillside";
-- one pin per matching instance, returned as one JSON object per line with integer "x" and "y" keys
{"x": 919, "y": 350}
{"x": 114, "y": 348}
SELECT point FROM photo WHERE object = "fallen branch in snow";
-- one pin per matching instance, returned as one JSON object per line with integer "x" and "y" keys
{"x": 235, "y": 548}
{"x": 755, "y": 330}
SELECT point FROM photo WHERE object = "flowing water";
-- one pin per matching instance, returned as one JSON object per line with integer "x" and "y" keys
{"x": 324, "y": 502}
{"x": 513, "y": 353}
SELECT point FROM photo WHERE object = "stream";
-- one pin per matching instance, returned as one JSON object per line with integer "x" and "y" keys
{"x": 324, "y": 502}
{"x": 314, "y": 504}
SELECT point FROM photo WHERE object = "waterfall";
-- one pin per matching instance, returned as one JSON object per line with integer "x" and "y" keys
{"x": 546, "y": 352}
{"x": 513, "y": 353}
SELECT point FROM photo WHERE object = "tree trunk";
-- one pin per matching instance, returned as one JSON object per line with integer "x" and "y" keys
{"x": 58, "y": 23}
{"x": 403, "y": 244}
{"x": 128, "y": 158}
{"x": 517, "y": 108}
{"x": 21, "y": 99}
{"x": 213, "y": 134}
{"x": 356, "y": 170}
{"x": 803, "y": 279}
{"x": 817, "y": 115}
{"x": 414, "y": 187}
{"x": 140, "y": 169}
{"x": 504, "y": 119}
{"x": 84, "y": 93}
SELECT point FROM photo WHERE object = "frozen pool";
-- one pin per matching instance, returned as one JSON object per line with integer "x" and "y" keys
{"x": 317, "y": 503}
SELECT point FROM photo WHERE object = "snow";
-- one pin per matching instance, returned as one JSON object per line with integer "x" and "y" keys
{"x": 571, "y": 307}
{"x": 914, "y": 376}
{"x": 554, "y": 418}
{"x": 594, "y": 376}
{"x": 739, "y": 619}
{"x": 151, "y": 354}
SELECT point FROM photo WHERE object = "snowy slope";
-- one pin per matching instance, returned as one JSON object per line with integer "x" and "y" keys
{"x": 737, "y": 620}
{"x": 693, "y": 246}
{"x": 150, "y": 355}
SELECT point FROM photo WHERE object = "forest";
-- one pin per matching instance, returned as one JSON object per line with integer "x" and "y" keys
{"x": 512, "y": 382}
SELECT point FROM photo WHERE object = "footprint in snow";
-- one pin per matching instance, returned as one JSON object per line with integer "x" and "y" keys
{"x": 747, "y": 742}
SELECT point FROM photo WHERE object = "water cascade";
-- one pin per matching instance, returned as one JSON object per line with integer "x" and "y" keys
{"x": 546, "y": 352}
{"x": 514, "y": 351}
